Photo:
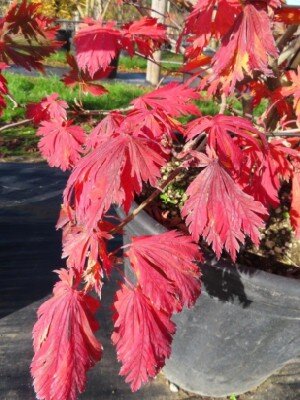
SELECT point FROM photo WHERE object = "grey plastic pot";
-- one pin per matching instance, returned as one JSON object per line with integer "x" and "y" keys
{"x": 244, "y": 326}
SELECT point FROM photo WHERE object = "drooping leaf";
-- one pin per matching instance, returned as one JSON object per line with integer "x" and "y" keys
{"x": 173, "y": 99}
{"x": 107, "y": 127}
{"x": 142, "y": 336}
{"x": 245, "y": 48}
{"x": 86, "y": 83}
{"x": 61, "y": 143}
{"x": 112, "y": 173}
{"x": 295, "y": 205}
{"x": 27, "y": 36}
{"x": 209, "y": 18}
{"x": 219, "y": 130}
{"x": 64, "y": 342}
{"x": 220, "y": 211}
{"x": 294, "y": 90}
{"x": 147, "y": 34}
{"x": 165, "y": 269}
{"x": 155, "y": 122}
{"x": 49, "y": 108}
{"x": 263, "y": 173}
{"x": 96, "y": 45}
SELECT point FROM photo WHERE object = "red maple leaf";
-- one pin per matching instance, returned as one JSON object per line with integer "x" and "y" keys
{"x": 245, "y": 48}
{"x": 220, "y": 211}
{"x": 209, "y": 18}
{"x": 61, "y": 143}
{"x": 96, "y": 45}
{"x": 83, "y": 79}
{"x": 107, "y": 127}
{"x": 49, "y": 108}
{"x": 165, "y": 269}
{"x": 295, "y": 205}
{"x": 112, "y": 173}
{"x": 146, "y": 34}
{"x": 142, "y": 336}
{"x": 294, "y": 90}
{"x": 156, "y": 123}
{"x": 219, "y": 130}
{"x": 174, "y": 99}
{"x": 23, "y": 18}
{"x": 263, "y": 172}
{"x": 64, "y": 342}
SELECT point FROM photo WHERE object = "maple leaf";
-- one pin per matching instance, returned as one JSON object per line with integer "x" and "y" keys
{"x": 261, "y": 176}
{"x": 112, "y": 173}
{"x": 49, "y": 108}
{"x": 209, "y": 18}
{"x": 64, "y": 342}
{"x": 174, "y": 99}
{"x": 165, "y": 269}
{"x": 88, "y": 249}
{"x": 61, "y": 143}
{"x": 260, "y": 91}
{"x": 107, "y": 127}
{"x": 142, "y": 336}
{"x": 156, "y": 123}
{"x": 295, "y": 205}
{"x": 96, "y": 45}
{"x": 147, "y": 34}
{"x": 219, "y": 130}
{"x": 245, "y": 48}
{"x": 294, "y": 90}
{"x": 23, "y": 19}
{"x": 86, "y": 83}
{"x": 220, "y": 211}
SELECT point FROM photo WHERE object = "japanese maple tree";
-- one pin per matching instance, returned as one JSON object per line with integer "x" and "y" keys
{"x": 241, "y": 162}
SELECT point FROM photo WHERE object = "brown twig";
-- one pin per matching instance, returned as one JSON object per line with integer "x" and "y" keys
{"x": 15, "y": 124}
{"x": 144, "y": 204}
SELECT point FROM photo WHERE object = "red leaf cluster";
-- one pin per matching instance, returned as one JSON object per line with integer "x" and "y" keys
{"x": 64, "y": 342}
{"x": 167, "y": 279}
{"x": 98, "y": 43}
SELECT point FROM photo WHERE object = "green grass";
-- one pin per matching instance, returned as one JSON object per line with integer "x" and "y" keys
{"x": 22, "y": 141}
{"x": 138, "y": 63}
{"x": 26, "y": 89}
{"x": 57, "y": 59}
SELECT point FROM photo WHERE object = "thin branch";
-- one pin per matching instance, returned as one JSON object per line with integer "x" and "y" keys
{"x": 15, "y": 124}
{"x": 144, "y": 204}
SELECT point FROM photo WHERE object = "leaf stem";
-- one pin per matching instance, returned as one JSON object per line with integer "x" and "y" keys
{"x": 144, "y": 204}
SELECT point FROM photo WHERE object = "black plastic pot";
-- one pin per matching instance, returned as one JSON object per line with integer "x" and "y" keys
{"x": 244, "y": 326}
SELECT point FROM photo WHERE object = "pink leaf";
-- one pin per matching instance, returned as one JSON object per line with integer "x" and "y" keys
{"x": 64, "y": 342}
{"x": 220, "y": 211}
{"x": 112, "y": 173}
{"x": 165, "y": 269}
{"x": 295, "y": 205}
{"x": 146, "y": 33}
{"x": 83, "y": 79}
{"x": 47, "y": 109}
{"x": 219, "y": 130}
{"x": 174, "y": 99}
{"x": 142, "y": 336}
{"x": 61, "y": 143}
{"x": 96, "y": 45}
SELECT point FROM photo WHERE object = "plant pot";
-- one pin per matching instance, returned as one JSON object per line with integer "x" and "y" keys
{"x": 244, "y": 326}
